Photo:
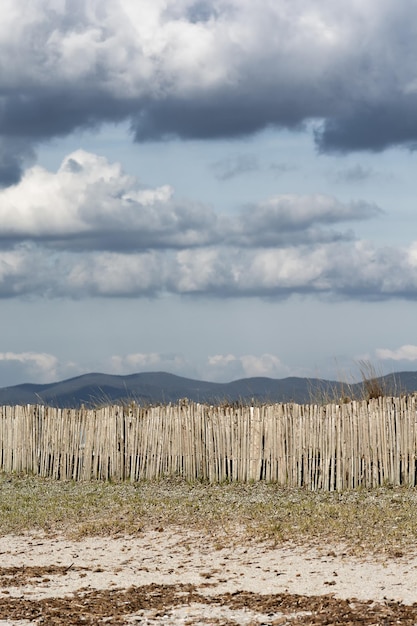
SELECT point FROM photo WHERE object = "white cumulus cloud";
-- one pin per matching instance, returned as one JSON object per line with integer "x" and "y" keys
{"x": 232, "y": 367}
{"x": 404, "y": 353}
{"x": 36, "y": 366}
{"x": 90, "y": 202}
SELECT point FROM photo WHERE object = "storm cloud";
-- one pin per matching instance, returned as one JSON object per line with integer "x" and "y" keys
{"x": 225, "y": 68}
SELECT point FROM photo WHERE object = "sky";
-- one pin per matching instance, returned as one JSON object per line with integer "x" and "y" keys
{"x": 214, "y": 188}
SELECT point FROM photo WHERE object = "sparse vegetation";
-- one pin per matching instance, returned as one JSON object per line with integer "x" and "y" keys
{"x": 372, "y": 385}
{"x": 381, "y": 521}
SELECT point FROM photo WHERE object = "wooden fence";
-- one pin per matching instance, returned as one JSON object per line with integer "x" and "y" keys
{"x": 330, "y": 447}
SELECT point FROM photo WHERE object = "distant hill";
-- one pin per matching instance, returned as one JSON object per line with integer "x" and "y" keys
{"x": 161, "y": 387}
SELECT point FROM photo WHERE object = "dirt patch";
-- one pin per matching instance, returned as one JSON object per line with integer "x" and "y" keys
{"x": 16, "y": 576}
{"x": 153, "y": 603}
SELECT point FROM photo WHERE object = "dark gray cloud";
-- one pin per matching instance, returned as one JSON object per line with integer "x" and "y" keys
{"x": 372, "y": 127}
{"x": 39, "y": 116}
{"x": 15, "y": 154}
{"x": 207, "y": 70}
{"x": 226, "y": 113}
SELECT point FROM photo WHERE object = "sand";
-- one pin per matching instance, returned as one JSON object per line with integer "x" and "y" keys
{"x": 177, "y": 577}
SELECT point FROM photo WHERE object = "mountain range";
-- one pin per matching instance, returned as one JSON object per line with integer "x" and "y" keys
{"x": 161, "y": 387}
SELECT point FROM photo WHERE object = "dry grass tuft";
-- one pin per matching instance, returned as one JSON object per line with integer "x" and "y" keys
{"x": 372, "y": 385}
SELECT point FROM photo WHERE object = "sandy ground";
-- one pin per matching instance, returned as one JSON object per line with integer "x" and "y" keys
{"x": 173, "y": 577}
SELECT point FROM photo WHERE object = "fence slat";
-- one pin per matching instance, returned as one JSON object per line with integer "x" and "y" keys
{"x": 317, "y": 447}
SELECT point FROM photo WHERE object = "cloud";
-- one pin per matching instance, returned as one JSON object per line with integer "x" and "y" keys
{"x": 373, "y": 126}
{"x": 354, "y": 174}
{"x": 225, "y": 169}
{"x": 289, "y": 219}
{"x": 357, "y": 270}
{"x": 220, "y": 367}
{"x": 28, "y": 366}
{"x": 15, "y": 154}
{"x": 354, "y": 270}
{"x": 404, "y": 353}
{"x": 115, "y": 275}
{"x": 35, "y": 367}
{"x": 91, "y": 204}
{"x": 283, "y": 64}
{"x": 196, "y": 69}
{"x": 25, "y": 269}
{"x": 91, "y": 230}
{"x": 231, "y": 167}
{"x": 230, "y": 367}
